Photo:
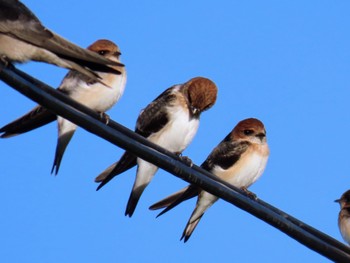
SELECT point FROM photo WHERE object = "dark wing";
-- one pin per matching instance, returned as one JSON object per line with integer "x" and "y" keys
{"x": 154, "y": 117}
{"x": 226, "y": 154}
{"x": 13, "y": 10}
{"x": 18, "y": 21}
{"x": 150, "y": 120}
{"x": 126, "y": 162}
{"x": 36, "y": 118}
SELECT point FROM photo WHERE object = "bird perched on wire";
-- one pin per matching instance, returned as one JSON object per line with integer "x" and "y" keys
{"x": 239, "y": 159}
{"x": 171, "y": 121}
{"x": 24, "y": 38}
{"x": 344, "y": 216}
{"x": 81, "y": 88}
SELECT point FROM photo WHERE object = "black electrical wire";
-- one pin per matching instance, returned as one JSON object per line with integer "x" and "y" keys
{"x": 128, "y": 140}
{"x": 142, "y": 140}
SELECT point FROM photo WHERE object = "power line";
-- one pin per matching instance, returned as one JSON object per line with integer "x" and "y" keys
{"x": 128, "y": 140}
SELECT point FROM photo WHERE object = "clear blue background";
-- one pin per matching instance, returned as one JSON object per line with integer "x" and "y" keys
{"x": 284, "y": 62}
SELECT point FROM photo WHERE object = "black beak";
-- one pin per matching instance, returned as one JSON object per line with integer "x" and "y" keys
{"x": 195, "y": 111}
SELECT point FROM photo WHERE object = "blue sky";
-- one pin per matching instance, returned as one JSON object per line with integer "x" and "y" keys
{"x": 284, "y": 62}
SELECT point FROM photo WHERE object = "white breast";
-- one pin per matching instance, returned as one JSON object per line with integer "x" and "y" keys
{"x": 345, "y": 229}
{"x": 96, "y": 96}
{"x": 179, "y": 131}
{"x": 245, "y": 171}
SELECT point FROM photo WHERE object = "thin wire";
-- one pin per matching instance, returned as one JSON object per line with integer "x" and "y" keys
{"x": 126, "y": 139}
{"x": 142, "y": 140}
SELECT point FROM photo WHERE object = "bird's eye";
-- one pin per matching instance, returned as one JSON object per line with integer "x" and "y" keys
{"x": 248, "y": 132}
{"x": 102, "y": 52}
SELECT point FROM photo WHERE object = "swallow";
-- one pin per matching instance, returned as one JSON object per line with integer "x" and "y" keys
{"x": 344, "y": 216}
{"x": 24, "y": 38}
{"x": 81, "y": 88}
{"x": 239, "y": 159}
{"x": 171, "y": 121}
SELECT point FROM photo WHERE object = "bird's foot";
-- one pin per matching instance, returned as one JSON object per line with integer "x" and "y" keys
{"x": 105, "y": 117}
{"x": 7, "y": 63}
{"x": 250, "y": 194}
{"x": 185, "y": 159}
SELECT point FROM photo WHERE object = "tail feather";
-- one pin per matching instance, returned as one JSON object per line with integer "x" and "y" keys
{"x": 91, "y": 70}
{"x": 204, "y": 201}
{"x": 82, "y": 60}
{"x": 89, "y": 67}
{"x": 134, "y": 199}
{"x": 72, "y": 65}
{"x": 126, "y": 162}
{"x": 145, "y": 173}
{"x": 175, "y": 199}
{"x": 165, "y": 202}
{"x": 62, "y": 143}
{"x": 66, "y": 49}
{"x": 71, "y": 56}
{"x": 190, "y": 227}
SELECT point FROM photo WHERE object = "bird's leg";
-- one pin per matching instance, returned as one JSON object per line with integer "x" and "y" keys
{"x": 6, "y": 62}
{"x": 104, "y": 117}
{"x": 250, "y": 194}
{"x": 185, "y": 159}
